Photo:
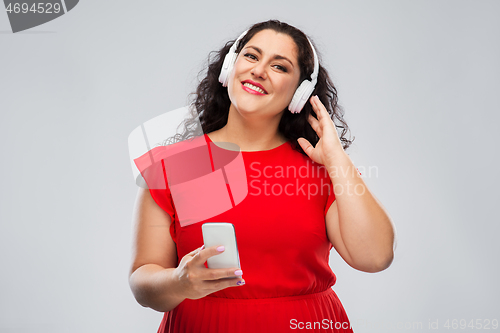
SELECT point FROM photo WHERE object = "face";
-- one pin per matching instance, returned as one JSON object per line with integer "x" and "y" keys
{"x": 265, "y": 75}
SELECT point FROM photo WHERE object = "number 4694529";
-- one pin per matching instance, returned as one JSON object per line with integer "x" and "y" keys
{"x": 478, "y": 324}
{"x": 38, "y": 8}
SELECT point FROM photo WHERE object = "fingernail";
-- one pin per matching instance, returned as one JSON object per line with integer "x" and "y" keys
{"x": 240, "y": 283}
{"x": 238, "y": 272}
{"x": 220, "y": 248}
{"x": 201, "y": 248}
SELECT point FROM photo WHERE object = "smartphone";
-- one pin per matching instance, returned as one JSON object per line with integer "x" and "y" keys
{"x": 221, "y": 233}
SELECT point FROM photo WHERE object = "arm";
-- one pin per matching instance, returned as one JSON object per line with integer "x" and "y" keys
{"x": 155, "y": 278}
{"x": 357, "y": 225}
{"x": 154, "y": 256}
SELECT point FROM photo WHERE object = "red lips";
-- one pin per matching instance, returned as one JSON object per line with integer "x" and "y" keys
{"x": 255, "y": 84}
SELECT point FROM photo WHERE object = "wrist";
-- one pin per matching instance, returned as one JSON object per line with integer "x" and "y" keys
{"x": 335, "y": 160}
{"x": 175, "y": 285}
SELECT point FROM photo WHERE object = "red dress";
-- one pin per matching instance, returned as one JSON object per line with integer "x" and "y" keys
{"x": 283, "y": 248}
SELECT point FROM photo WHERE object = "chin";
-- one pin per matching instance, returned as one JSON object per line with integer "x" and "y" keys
{"x": 245, "y": 110}
{"x": 247, "y": 107}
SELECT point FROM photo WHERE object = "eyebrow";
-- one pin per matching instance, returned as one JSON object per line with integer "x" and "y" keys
{"x": 276, "y": 56}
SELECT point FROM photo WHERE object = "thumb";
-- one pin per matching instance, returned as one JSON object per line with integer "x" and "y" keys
{"x": 306, "y": 146}
{"x": 195, "y": 251}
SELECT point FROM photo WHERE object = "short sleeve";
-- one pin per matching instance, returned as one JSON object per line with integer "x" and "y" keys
{"x": 164, "y": 199}
{"x": 155, "y": 178}
{"x": 331, "y": 196}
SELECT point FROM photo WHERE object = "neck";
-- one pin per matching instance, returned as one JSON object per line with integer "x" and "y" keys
{"x": 253, "y": 132}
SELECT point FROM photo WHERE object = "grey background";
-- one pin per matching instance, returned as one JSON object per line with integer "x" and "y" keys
{"x": 418, "y": 81}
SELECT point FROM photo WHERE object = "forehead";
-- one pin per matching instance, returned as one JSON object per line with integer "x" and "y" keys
{"x": 272, "y": 42}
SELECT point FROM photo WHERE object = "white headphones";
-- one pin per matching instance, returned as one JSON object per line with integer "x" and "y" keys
{"x": 302, "y": 93}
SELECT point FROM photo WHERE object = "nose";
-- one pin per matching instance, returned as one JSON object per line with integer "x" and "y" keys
{"x": 259, "y": 70}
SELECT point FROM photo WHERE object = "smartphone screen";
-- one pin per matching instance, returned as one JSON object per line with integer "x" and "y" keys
{"x": 221, "y": 233}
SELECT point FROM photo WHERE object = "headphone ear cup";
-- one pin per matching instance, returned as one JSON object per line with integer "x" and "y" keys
{"x": 227, "y": 68}
{"x": 229, "y": 60}
{"x": 301, "y": 96}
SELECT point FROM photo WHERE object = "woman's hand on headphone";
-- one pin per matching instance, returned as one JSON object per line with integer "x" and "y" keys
{"x": 329, "y": 145}
{"x": 196, "y": 281}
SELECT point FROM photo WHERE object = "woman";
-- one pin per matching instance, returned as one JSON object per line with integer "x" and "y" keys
{"x": 284, "y": 229}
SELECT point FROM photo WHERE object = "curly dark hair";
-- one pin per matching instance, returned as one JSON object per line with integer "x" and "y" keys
{"x": 210, "y": 103}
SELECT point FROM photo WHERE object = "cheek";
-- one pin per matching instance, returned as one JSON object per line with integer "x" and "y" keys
{"x": 231, "y": 85}
{"x": 240, "y": 65}
{"x": 230, "y": 81}
{"x": 237, "y": 68}
{"x": 289, "y": 89}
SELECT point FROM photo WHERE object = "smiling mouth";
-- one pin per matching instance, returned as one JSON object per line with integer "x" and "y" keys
{"x": 253, "y": 89}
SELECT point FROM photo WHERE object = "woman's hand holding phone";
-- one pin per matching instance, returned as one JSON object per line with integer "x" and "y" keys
{"x": 197, "y": 281}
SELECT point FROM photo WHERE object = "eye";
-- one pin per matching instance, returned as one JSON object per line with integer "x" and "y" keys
{"x": 281, "y": 68}
{"x": 251, "y": 56}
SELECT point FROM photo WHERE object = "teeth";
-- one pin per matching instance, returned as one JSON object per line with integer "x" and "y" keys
{"x": 251, "y": 86}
